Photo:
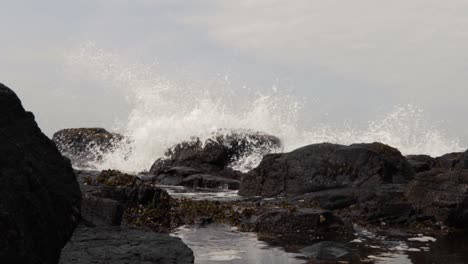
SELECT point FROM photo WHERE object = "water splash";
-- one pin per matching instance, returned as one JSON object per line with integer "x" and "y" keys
{"x": 166, "y": 112}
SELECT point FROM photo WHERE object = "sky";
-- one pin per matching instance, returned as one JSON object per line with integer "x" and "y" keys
{"x": 349, "y": 61}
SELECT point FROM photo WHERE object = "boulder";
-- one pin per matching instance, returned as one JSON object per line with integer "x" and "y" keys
{"x": 213, "y": 156}
{"x": 325, "y": 166}
{"x": 108, "y": 196}
{"x": 122, "y": 246}
{"x": 441, "y": 195}
{"x": 39, "y": 195}
{"x": 449, "y": 161}
{"x": 224, "y": 147}
{"x": 421, "y": 163}
{"x": 300, "y": 226}
{"x": 85, "y": 145}
{"x": 210, "y": 182}
{"x": 97, "y": 211}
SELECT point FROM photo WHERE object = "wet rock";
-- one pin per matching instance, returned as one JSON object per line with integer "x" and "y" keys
{"x": 421, "y": 163}
{"x": 330, "y": 252}
{"x": 97, "y": 211}
{"x": 113, "y": 198}
{"x": 449, "y": 161}
{"x": 85, "y": 145}
{"x": 442, "y": 196}
{"x": 213, "y": 156}
{"x": 122, "y": 246}
{"x": 224, "y": 147}
{"x": 39, "y": 194}
{"x": 117, "y": 178}
{"x": 326, "y": 166}
{"x": 301, "y": 226}
{"x": 211, "y": 182}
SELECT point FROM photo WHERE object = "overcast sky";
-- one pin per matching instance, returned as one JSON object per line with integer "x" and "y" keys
{"x": 351, "y": 61}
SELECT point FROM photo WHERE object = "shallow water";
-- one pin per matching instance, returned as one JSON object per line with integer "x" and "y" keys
{"x": 223, "y": 244}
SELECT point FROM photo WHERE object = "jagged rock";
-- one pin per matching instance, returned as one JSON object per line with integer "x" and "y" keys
{"x": 441, "y": 195}
{"x": 122, "y": 246}
{"x": 448, "y": 161}
{"x": 212, "y": 156}
{"x": 326, "y": 166}
{"x": 39, "y": 194}
{"x": 421, "y": 163}
{"x": 85, "y": 145}
{"x": 97, "y": 211}
{"x": 110, "y": 195}
{"x": 210, "y": 181}
{"x": 301, "y": 226}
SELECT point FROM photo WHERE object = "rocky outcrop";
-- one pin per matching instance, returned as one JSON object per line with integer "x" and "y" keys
{"x": 85, "y": 145}
{"x": 449, "y": 161}
{"x": 107, "y": 195}
{"x": 211, "y": 158}
{"x": 421, "y": 163}
{"x": 326, "y": 166}
{"x": 441, "y": 196}
{"x": 210, "y": 182}
{"x": 39, "y": 195}
{"x": 307, "y": 225}
{"x": 121, "y": 246}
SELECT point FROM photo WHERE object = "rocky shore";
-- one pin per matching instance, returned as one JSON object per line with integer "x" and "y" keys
{"x": 313, "y": 200}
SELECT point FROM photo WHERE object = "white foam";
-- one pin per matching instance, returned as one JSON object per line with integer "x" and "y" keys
{"x": 423, "y": 239}
{"x": 166, "y": 112}
{"x": 226, "y": 255}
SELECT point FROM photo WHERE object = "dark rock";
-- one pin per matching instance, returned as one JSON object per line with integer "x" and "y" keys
{"x": 122, "y": 246}
{"x": 463, "y": 164}
{"x": 39, "y": 194}
{"x": 337, "y": 201}
{"x": 441, "y": 195}
{"x": 213, "y": 156}
{"x": 421, "y": 163}
{"x": 326, "y": 166}
{"x": 85, "y": 145}
{"x": 117, "y": 178}
{"x": 448, "y": 161}
{"x": 301, "y": 226}
{"x": 224, "y": 147}
{"x": 97, "y": 211}
{"x": 331, "y": 251}
{"x": 211, "y": 182}
{"x": 113, "y": 198}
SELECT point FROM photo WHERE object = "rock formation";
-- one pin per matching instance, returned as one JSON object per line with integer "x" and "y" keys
{"x": 39, "y": 195}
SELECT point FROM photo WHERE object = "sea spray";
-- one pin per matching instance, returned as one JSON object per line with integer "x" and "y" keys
{"x": 166, "y": 112}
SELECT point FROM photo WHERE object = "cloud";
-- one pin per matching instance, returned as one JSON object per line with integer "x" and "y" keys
{"x": 409, "y": 47}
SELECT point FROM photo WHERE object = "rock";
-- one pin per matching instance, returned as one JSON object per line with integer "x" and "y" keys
{"x": 97, "y": 211}
{"x": 211, "y": 182}
{"x": 330, "y": 251}
{"x": 421, "y": 163}
{"x": 113, "y": 198}
{"x": 39, "y": 194}
{"x": 301, "y": 226}
{"x": 122, "y": 246}
{"x": 212, "y": 156}
{"x": 441, "y": 195}
{"x": 224, "y": 147}
{"x": 85, "y": 145}
{"x": 117, "y": 178}
{"x": 448, "y": 161}
{"x": 463, "y": 164}
{"x": 326, "y": 166}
